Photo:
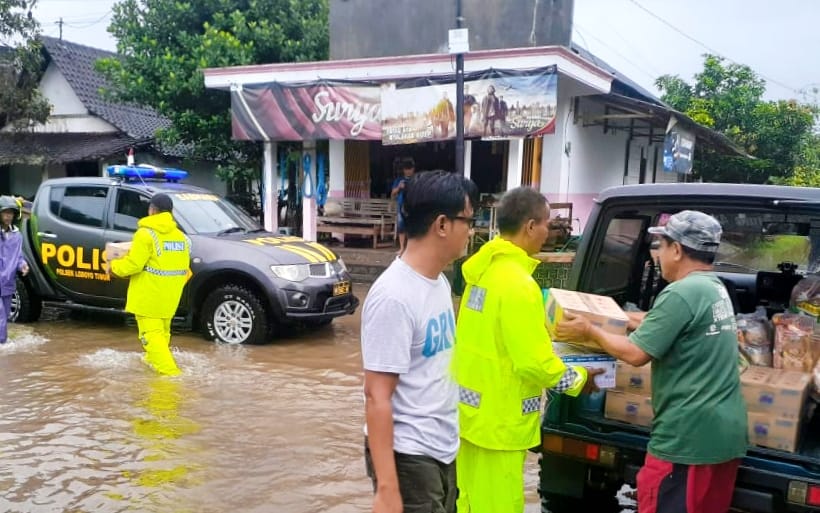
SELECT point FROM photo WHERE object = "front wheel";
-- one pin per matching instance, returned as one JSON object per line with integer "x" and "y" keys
{"x": 26, "y": 306}
{"x": 235, "y": 315}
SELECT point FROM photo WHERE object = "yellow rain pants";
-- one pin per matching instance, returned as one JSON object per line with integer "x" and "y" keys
{"x": 489, "y": 481}
{"x": 155, "y": 335}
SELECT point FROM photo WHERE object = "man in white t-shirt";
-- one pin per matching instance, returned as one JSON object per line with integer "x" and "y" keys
{"x": 408, "y": 331}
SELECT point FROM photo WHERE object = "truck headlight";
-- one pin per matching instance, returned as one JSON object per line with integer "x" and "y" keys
{"x": 295, "y": 272}
{"x": 339, "y": 265}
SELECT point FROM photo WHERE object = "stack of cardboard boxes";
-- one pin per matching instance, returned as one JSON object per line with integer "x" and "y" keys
{"x": 776, "y": 401}
{"x": 631, "y": 399}
{"x": 775, "y": 398}
{"x": 601, "y": 311}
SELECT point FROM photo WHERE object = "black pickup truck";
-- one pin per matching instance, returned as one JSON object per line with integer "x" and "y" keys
{"x": 771, "y": 238}
{"x": 246, "y": 282}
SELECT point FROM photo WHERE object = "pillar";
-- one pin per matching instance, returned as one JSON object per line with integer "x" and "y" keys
{"x": 336, "y": 161}
{"x": 309, "y": 204}
{"x": 468, "y": 158}
{"x": 515, "y": 163}
{"x": 270, "y": 177}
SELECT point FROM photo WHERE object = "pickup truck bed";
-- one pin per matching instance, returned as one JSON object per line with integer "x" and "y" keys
{"x": 585, "y": 457}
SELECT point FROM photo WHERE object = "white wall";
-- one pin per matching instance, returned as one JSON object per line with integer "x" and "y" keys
{"x": 595, "y": 160}
{"x": 68, "y": 114}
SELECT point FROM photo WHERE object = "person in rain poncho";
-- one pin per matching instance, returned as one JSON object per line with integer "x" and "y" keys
{"x": 158, "y": 265}
{"x": 11, "y": 259}
{"x": 504, "y": 359}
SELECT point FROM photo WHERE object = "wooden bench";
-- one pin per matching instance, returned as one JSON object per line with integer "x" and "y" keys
{"x": 375, "y": 218}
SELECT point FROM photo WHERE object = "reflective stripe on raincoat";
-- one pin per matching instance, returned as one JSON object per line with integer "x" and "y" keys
{"x": 503, "y": 354}
{"x": 158, "y": 264}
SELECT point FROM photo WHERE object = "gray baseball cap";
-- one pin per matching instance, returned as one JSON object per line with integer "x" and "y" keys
{"x": 692, "y": 229}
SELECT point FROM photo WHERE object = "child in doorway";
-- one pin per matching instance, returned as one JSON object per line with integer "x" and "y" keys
{"x": 11, "y": 259}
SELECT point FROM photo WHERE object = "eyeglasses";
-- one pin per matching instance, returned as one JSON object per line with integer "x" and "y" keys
{"x": 469, "y": 220}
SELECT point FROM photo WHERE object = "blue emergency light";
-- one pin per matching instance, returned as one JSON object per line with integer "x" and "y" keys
{"x": 144, "y": 172}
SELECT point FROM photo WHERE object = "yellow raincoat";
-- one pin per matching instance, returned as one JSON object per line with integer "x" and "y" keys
{"x": 158, "y": 264}
{"x": 502, "y": 362}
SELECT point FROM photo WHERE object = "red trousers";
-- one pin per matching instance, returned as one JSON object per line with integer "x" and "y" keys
{"x": 665, "y": 487}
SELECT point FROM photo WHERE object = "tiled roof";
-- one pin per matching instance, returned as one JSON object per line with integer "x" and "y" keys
{"x": 40, "y": 149}
{"x": 622, "y": 80}
{"x": 76, "y": 63}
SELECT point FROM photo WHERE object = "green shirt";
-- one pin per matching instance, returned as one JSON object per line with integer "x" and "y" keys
{"x": 691, "y": 335}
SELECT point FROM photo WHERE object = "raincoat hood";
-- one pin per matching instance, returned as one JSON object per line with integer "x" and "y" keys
{"x": 160, "y": 223}
{"x": 498, "y": 248}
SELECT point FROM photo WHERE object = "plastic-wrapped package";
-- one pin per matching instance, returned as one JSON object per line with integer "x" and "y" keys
{"x": 817, "y": 380}
{"x": 794, "y": 342}
{"x": 754, "y": 334}
{"x": 806, "y": 295}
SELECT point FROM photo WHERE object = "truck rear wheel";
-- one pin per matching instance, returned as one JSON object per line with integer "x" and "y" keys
{"x": 26, "y": 306}
{"x": 233, "y": 314}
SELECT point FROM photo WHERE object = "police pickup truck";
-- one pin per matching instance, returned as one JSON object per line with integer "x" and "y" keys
{"x": 771, "y": 238}
{"x": 246, "y": 282}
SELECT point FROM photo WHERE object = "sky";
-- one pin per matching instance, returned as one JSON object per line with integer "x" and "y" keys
{"x": 778, "y": 40}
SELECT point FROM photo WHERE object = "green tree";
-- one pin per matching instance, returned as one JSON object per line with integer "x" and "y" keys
{"x": 21, "y": 103}
{"x": 728, "y": 98}
{"x": 165, "y": 44}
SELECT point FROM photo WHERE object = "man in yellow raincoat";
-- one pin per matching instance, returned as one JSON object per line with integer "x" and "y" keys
{"x": 158, "y": 264}
{"x": 504, "y": 359}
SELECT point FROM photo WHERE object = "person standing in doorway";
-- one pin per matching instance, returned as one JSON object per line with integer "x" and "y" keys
{"x": 407, "y": 169}
{"x": 158, "y": 265}
{"x": 407, "y": 336}
{"x": 11, "y": 259}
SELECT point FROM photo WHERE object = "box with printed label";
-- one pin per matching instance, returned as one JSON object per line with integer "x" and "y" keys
{"x": 602, "y": 311}
{"x": 587, "y": 358}
{"x": 635, "y": 380}
{"x": 115, "y": 250}
{"x": 776, "y": 392}
{"x": 632, "y": 408}
{"x": 773, "y": 432}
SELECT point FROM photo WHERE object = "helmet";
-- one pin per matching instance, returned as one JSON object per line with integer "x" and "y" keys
{"x": 9, "y": 203}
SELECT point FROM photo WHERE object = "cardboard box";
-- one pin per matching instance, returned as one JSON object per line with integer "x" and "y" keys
{"x": 778, "y": 393}
{"x": 602, "y": 311}
{"x": 631, "y": 408}
{"x": 585, "y": 357}
{"x": 773, "y": 432}
{"x": 635, "y": 380}
{"x": 115, "y": 250}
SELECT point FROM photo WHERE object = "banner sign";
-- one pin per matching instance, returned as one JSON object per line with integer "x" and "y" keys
{"x": 678, "y": 149}
{"x": 497, "y": 105}
{"x": 315, "y": 111}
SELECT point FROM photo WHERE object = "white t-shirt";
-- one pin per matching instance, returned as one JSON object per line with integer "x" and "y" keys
{"x": 408, "y": 328}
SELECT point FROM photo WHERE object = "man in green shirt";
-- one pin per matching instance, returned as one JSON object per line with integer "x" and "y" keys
{"x": 690, "y": 335}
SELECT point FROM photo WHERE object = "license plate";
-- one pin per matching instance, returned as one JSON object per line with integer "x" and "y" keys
{"x": 343, "y": 287}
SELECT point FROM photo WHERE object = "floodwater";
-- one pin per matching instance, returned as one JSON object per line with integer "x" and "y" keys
{"x": 85, "y": 426}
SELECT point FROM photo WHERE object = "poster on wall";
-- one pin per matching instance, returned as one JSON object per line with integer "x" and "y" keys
{"x": 678, "y": 149}
{"x": 322, "y": 110}
{"x": 497, "y": 105}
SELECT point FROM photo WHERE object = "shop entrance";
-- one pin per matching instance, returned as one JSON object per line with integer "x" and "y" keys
{"x": 489, "y": 166}
{"x": 427, "y": 156}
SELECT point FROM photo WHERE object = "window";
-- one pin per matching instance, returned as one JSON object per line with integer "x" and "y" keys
{"x": 618, "y": 254}
{"x": 83, "y": 205}
{"x": 131, "y": 207}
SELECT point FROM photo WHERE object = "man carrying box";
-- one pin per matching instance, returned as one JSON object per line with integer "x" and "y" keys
{"x": 504, "y": 359}
{"x": 158, "y": 264}
{"x": 699, "y": 431}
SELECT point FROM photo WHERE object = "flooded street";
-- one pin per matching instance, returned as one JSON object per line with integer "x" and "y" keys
{"x": 85, "y": 426}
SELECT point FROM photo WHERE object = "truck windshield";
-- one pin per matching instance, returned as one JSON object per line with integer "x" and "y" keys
{"x": 208, "y": 214}
{"x": 760, "y": 241}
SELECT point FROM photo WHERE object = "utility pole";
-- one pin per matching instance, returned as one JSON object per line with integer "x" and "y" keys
{"x": 60, "y": 24}
{"x": 459, "y": 44}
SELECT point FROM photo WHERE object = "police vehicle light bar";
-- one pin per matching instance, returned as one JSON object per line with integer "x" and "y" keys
{"x": 147, "y": 173}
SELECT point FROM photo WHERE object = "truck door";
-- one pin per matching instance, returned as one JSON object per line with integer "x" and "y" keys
{"x": 70, "y": 238}
{"x": 127, "y": 208}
